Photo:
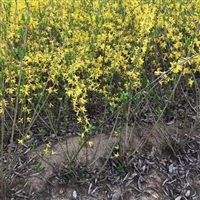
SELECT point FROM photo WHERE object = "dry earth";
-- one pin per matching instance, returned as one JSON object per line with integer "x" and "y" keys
{"x": 152, "y": 172}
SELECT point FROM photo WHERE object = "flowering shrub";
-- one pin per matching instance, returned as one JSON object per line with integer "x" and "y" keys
{"x": 51, "y": 50}
{"x": 58, "y": 56}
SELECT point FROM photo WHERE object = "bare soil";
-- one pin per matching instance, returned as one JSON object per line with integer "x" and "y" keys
{"x": 152, "y": 171}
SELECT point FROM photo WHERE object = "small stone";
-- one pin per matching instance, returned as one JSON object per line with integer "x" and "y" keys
{"x": 171, "y": 167}
{"x": 187, "y": 194}
{"x": 75, "y": 195}
{"x": 61, "y": 191}
{"x": 178, "y": 198}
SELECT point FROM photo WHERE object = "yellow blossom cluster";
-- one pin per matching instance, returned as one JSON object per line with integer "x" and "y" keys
{"x": 21, "y": 141}
{"x": 52, "y": 49}
{"x": 47, "y": 148}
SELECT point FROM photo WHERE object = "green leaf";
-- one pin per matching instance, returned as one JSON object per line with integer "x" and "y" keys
{"x": 37, "y": 167}
{"x": 91, "y": 128}
{"x": 23, "y": 17}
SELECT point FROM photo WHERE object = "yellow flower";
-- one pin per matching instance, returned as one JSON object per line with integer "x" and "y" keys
{"x": 90, "y": 143}
{"x": 117, "y": 147}
{"x": 82, "y": 109}
{"x": 48, "y": 145}
{"x": 79, "y": 120}
{"x": 158, "y": 72}
{"x": 49, "y": 90}
{"x": 82, "y": 135}
{"x": 186, "y": 71}
{"x": 20, "y": 120}
{"x": 82, "y": 101}
{"x": 190, "y": 82}
{"x": 116, "y": 155}
{"x": 55, "y": 91}
{"x": 28, "y": 136}
{"x": 21, "y": 142}
{"x": 117, "y": 133}
{"x": 28, "y": 111}
{"x": 86, "y": 120}
{"x": 50, "y": 105}
{"x": 1, "y": 110}
{"x": 28, "y": 119}
{"x": 177, "y": 69}
{"x": 24, "y": 109}
{"x": 53, "y": 152}
{"x": 5, "y": 102}
{"x": 46, "y": 150}
{"x": 29, "y": 100}
{"x": 9, "y": 91}
{"x": 86, "y": 129}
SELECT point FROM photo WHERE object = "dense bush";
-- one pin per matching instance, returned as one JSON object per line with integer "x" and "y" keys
{"x": 60, "y": 54}
{"x": 74, "y": 48}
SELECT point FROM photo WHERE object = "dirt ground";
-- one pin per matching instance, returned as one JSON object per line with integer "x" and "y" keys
{"x": 152, "y": 171}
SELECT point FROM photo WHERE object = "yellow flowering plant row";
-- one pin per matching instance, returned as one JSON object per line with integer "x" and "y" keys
{"x": 97, "y": 46}
{"x": 55, "y": 53}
